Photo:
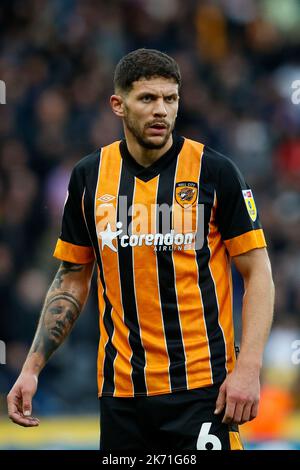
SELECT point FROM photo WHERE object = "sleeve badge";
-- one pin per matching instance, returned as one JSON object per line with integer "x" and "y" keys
{"x": 250, "y": 204}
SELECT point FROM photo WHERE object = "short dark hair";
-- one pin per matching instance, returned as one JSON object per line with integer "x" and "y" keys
{"x": 144, "y": 63}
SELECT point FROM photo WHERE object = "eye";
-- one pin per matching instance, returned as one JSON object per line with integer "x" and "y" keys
{"x": 171, "y": 98}
{"x": 146, "y": 99}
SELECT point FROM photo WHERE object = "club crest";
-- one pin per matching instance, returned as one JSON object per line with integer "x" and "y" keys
{"x": 186, "y": 193}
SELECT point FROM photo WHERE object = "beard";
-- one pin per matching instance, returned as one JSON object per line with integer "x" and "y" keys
{"x": 134, "y": 127}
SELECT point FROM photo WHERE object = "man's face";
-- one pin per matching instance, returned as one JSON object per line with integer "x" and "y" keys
{"x": 150, "y": 110}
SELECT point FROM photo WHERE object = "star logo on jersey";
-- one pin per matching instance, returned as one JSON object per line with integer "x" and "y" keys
{"x": 108, "y": 235}
{"x": 186, "y": 193}
{"x": 106, "y": 198}
{"x": 250, "y": 204}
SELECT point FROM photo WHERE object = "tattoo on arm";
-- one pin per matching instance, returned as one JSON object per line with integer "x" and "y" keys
{"x": 63, "y": 296}
{"x": 59, "y": 314}
{"x": 65, "y": 268}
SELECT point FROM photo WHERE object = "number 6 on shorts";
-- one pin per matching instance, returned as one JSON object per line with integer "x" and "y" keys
{"x": 205, "y": 438}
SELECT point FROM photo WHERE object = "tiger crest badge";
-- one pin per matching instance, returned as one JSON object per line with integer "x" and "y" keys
{"x": 186, "y": 193}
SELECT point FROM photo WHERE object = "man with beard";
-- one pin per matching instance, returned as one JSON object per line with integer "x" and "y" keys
{"x": 162, "y": 215}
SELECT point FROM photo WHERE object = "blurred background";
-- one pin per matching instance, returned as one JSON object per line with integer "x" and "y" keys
{"x": 239, "y": 59}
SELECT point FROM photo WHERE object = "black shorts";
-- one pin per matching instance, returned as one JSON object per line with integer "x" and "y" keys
{"x": 176, "y": 421}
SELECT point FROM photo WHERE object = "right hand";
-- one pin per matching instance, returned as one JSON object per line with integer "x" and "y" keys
{"x": 19, "y": 400}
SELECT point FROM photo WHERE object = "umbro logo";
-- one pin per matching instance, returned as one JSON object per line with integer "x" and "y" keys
{"x": 106, "y": 198}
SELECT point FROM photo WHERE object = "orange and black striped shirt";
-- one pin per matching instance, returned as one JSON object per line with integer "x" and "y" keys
{"x": 162, "y": 237}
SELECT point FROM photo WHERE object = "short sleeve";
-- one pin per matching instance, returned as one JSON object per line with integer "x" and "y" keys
{"x": 237, "y": 215}
{"x": 74, "y": 244}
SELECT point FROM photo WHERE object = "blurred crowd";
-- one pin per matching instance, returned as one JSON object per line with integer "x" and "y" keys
{"x": 238, "y": 58}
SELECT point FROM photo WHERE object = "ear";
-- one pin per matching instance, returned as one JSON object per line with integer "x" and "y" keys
{"x": 117, "y": 105}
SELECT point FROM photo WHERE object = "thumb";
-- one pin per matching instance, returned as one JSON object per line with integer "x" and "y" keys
{"x": 27, "y": 404}
{"x": 221, "y": 400}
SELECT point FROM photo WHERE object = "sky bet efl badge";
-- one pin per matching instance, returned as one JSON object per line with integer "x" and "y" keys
{"x": 250, "y": 204}
{"x": 186, "y": 193}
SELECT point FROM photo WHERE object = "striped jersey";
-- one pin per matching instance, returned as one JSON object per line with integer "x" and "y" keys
{"x": 162, "y": 237}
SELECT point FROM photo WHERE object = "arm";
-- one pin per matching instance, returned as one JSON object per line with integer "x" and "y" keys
{"x": 239, "y": 393}
{"x": 63, "y": 304}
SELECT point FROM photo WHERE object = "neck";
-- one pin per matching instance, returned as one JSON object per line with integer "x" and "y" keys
{"x": 145, "y": 157}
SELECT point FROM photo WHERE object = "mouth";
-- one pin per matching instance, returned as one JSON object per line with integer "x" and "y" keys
{"x": 56, "y": 332}
{"x": 157, "y": 128}
{"x": 158, "y": 125}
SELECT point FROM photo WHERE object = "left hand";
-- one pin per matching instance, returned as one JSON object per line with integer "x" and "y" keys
{"x": 239, "y": 395}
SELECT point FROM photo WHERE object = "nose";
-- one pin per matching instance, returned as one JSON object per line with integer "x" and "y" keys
{"x": 160, "y": 108}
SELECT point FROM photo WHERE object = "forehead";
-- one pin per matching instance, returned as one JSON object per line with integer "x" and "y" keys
{"x": 156, "y": 85}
